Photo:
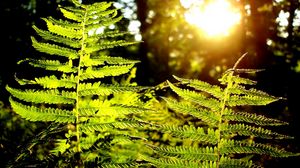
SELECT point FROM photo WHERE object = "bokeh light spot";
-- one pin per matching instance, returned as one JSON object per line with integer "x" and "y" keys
{"x": 215, "y": 18}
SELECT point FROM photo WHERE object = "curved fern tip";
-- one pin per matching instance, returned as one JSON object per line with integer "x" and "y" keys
{"x": 239, "y": 60}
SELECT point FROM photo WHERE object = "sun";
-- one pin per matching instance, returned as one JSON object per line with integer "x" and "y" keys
{"x": 216, "y": 18}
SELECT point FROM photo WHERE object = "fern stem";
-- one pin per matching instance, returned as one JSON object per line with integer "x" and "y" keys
{"x": 223, "y": 106}
{"x": 81, "y": 53}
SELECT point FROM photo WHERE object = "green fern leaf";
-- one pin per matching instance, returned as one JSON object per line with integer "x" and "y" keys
{"x": 227, "y": 77}
{"x": 51, "y": 82}
{"x": 203, "y": 86}
{"x": 241, "y": 90}
{"x": 120, "y": 165}
{"x": 115, "y": 60}
{"x": 63, "y": 29}
{"x": 48, "y": 96}
{"x": 33, "y": 113}
{"x": 246, "y": 130}
{"x": 252, "y": 118}
{"x": 102, "y": 22}
{"x": 109, "y": 34}
{"x": 205, "y": 115}
{"x": 195, "y": 97}
{"x": 173, "y": 162}
{"x": 114, "y": 110}
{"x": 98, "y": 7}
{"x": 102, "y": 60}
{"x": 231, "y": 147}
{"x": 189, "y": 153}
{"x": 53, "y": 65}
{"x": 58, "y": 39}
{"x": 226, "y": 162}
{"x": 90, "y": 73}
{"x": 61, "y": 147}
{"x": 72, "y": 13}
{"x": 109, "y": 126}
{"x": 193, "y": 133}
{"x": 102, "y": 14}
{"x": 97, "y": 88}
{"x": 65, "y": 23}
{"x": 107, "y": 45}
{"x": 53, "y": 49}
{"x": 250, "y": 100}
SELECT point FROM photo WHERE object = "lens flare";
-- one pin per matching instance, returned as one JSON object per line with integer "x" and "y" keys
{"x": 215, "y": 18}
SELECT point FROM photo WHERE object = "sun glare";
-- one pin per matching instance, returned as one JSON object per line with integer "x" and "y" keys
{"x": 215, "y": 18}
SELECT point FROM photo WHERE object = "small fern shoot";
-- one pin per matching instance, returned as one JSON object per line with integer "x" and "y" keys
{"x": 71, "y": 84}
{"x": 226, "y": 137}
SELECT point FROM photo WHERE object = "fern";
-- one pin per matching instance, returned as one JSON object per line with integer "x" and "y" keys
{"x": 78, "y": 90}
{"x": 226, "y": 136}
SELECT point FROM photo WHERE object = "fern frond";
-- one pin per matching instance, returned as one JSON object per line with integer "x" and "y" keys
{"x": 51, "y": 82}
{"x": 96, "y": 111}
{"x": 53, "y": 65}
{"x": 189, "y": 153}
{"x": 115, "y": 70}
{"x": 252, "y": 118}
{"x": 114, "y": 110}
{"x": 226, "y": 162}
{"x": 203, "y": 86}
{"x": 102, "y": 60}
{"x": 109, "y": 126}
{"x": 72, "y": 13}
{"x": 224, "y": 128}
{"x": 120, "y": 165}
{"x": 201, "y": 113}
{"x": 98, "y": 6}
{"x": 53, "y": 49}
{"x": 33, "y": 113}
{"x": 61, "y": 145}
{"x": 107, "y": 45}
{"x": 63, "y": 29}
{"x": 86, "y": 89}
{"x": 96, "y": 13}
{"x": 246, "y": 130}
{"x": 115, "y": 60}
{"x": 241, "y": 90}
{"x": 231, "y": 147}
{"x": 174, "y": 162}
{"x": 195, "y": 97}
{"x": 227, "y": 77}
{"x": 193, "y": 133}
{"x": 58, "y": 39}
{"x": 43, "y": 96}
{"x": 250, "y": 100}
{"x": 109, "y": 34}
{"x": 65, "y": 23}
{"x": 90, "y": 140}
{"x": 101, "y": 22}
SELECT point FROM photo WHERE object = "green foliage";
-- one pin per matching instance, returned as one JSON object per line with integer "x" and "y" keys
{"x": 79, "y": 88}
{"x": 98, "y": 118}
{"x": 222, "y": 135}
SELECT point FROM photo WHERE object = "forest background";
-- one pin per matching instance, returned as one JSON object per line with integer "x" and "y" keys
{"x": 268, "y": 31}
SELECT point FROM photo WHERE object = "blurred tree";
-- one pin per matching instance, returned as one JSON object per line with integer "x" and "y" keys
{"x": 172, "y": 46}
{"x": 284, "y": 48}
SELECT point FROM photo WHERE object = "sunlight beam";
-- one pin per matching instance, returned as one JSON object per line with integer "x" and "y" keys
{"x": 215, "y": 18}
